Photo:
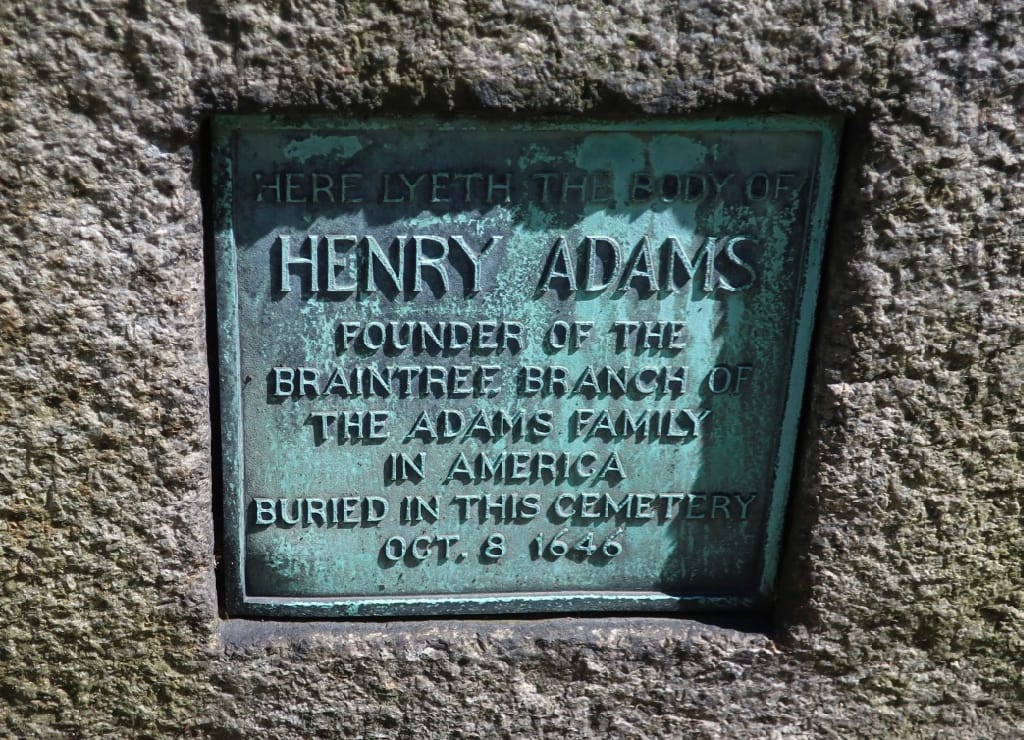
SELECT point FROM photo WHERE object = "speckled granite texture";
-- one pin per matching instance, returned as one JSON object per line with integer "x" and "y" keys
{"x": 902, "y": 602}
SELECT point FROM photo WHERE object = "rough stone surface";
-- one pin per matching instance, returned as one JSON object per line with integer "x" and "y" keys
{"x": 902, "y": 605}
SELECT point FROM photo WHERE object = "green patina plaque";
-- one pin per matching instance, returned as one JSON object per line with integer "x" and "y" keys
{"x": 477, "y": 367}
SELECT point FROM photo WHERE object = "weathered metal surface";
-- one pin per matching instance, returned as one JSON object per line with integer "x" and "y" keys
{"x": 470, "y": 367}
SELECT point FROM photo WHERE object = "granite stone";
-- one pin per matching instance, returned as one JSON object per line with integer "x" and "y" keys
{"x": 901, "y": 608}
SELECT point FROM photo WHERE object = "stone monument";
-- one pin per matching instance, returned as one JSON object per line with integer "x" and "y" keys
{"x": 164, "y": 575}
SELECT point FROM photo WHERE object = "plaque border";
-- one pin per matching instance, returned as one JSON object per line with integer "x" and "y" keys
{"x": 238, "y": 604}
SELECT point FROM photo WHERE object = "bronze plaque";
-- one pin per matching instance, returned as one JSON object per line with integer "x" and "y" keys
{"x": 472, "y": 367}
